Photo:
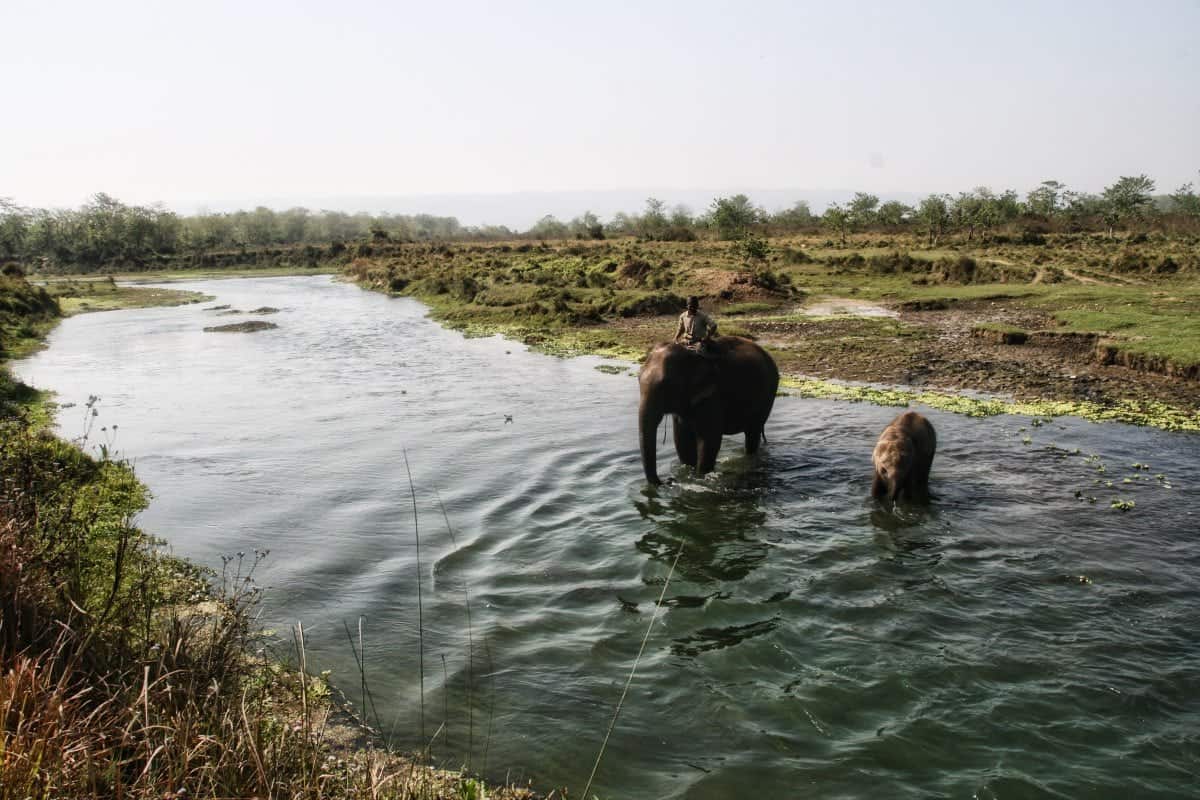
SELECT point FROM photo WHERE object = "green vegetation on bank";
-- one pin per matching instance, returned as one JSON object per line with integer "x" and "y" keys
{"x": 616, "y": 298}
{"x": 75, "y": 297}
{"x": 125, "y": 672}
{"x": 549, "y": 288}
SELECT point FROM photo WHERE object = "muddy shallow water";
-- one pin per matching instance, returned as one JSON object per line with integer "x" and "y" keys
{"x": 1016, "y": 639}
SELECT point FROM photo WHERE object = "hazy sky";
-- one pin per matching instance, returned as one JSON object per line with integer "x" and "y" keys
{"x": 233, "y": 102}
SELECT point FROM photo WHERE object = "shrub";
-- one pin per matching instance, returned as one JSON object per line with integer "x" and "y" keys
{"x": 771, "y": 281}
{"x": 1130, "y": 261}
{"x": 794, "y": 256}
{"x": 1167, "y": 266}
{"x": 751, "y": 248}
{"x": 655, "y": 303}
{"x": 896, "y": 262}
{"x": 1031, "y": 237}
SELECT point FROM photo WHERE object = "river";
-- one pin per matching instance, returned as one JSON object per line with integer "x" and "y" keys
{"x": 1016, "y": 639}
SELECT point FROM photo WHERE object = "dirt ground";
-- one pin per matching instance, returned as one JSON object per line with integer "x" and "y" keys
{"x": 939, "y": 349}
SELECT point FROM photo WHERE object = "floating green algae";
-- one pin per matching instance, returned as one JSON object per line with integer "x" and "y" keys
{"x": 1151, "y": 413}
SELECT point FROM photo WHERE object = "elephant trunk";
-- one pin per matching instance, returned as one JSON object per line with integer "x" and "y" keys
{"x": 648, "y": 421}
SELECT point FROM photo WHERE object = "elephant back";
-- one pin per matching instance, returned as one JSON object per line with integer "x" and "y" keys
{"x": 748, "y": 380}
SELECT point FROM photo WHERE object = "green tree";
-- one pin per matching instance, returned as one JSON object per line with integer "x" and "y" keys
{"x": 295, "y": 223}
{"x": 893, "y": 214}
{"x": 1130, "y": 198}
{"x": 837, "y": 219}
{"x": 586, "y": 226}
{"x": 622, "y": 224}
{"x": 971, "y": 211}
{"x": 1081, "y": 209}
{"x": 1186, "y": 201}
{"x": 733, "y": 216}
{"x": 653, "y": 222}
{"x": 862, "y": 209}
{"x": 1004, "y": 208}
{"x": 548, "y": 227}
{"x": 933, "y": 214}
{"x": 1044, "y": 200}
{"x": 14, "y": 224}
{"x": 681, "y": 217}
{"x": 798, "y": 216}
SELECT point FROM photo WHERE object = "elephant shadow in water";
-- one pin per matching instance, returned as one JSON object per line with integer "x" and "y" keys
{"x": 717, "y": 530}
{"x": 730, "y": 390}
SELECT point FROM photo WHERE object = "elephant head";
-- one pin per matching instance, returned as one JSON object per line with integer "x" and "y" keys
{"x": 674, "y": 380}
{"x": 902, "y": 457}
{"x": 729, "y": 390}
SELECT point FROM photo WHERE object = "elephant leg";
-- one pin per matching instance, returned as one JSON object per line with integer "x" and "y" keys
{"x": 707, "y": 448}
{"x": 685, "y": 440}
{"x": 754, "y": 438}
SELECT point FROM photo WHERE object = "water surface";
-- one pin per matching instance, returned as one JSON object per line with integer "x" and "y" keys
{"x": 1016, "y": 639}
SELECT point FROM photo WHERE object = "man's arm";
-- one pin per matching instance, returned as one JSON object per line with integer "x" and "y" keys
{"x": 680, "y": 330}
{"x": 711, "y": 329}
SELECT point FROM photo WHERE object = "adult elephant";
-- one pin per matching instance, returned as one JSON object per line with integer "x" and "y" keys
{"x": 729, "y": 390}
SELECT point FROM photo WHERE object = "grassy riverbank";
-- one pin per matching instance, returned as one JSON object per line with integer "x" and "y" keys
{"x": 1109, "y": 328}
{"x": 125, "y": 672}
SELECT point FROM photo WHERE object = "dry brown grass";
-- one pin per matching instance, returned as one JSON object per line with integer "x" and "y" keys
{"x": 123, "y": 675}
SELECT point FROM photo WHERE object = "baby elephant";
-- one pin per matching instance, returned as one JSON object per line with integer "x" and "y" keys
{"x": 903, "y": 457}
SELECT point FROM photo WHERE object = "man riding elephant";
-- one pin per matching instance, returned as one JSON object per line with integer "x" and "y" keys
{"x": 695, "y": 327}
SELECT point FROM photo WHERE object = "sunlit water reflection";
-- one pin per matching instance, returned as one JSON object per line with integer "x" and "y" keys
{"x": 1013, "y": 640}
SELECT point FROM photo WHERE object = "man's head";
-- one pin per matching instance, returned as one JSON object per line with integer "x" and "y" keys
{"x": 693, "y": 304}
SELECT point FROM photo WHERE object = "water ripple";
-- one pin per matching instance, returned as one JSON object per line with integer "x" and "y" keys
{"x": 1018, "y": 638}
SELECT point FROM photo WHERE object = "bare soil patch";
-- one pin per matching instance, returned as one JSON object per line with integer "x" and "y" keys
{"x": 936, "y": 348}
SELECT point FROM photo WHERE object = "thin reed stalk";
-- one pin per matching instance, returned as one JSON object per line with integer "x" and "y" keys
{"x": 487, "y": 742}
{"x": 632, "y": 671}
{"x": 360, "y": 659}
{"x": 470, "y": 642}
{"x": 420, "y": 610}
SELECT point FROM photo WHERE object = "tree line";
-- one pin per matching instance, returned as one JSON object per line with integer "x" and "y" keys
{"x": 106, "y": 233}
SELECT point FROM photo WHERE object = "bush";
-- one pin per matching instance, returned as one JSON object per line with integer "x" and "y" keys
{"x": 751, "y": 248}
{"x": 896, "y": 262}
{"x": 794, "y": 256}
{"x": 1030, "y": 236}
{"x": 656, "y": 303}
{"x": 1130, "y": 261}
{"x": 963, "y": 269}
{"x": 637, "y": 272}
{"x": 771, "y": 281}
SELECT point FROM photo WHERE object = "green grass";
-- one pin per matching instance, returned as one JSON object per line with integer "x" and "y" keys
{"x": 549, "y": 290}
{"x": 176, "y": 275}
{"x": 101, "y": 296}
{"x": 1163, "y": 320}
{"x": 738, "y": 309}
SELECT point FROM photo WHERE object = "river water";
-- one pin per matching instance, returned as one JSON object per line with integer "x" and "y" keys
{"x": 1014, "y": 640}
